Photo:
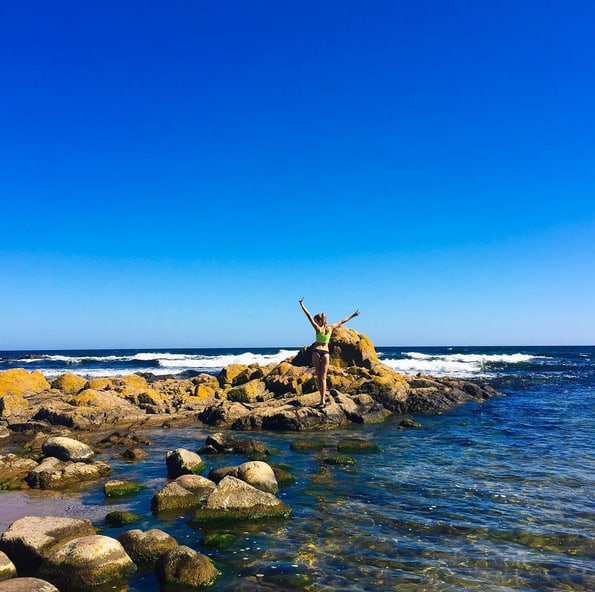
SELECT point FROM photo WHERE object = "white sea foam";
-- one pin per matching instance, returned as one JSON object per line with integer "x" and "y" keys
{"x": 462, "y": 365}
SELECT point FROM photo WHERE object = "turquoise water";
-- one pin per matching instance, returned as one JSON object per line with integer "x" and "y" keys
{"x": 492, "y": 496}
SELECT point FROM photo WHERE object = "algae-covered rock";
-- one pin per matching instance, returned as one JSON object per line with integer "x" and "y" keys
{"x": 145, "y": 548}
{"x": 183, "y": 566}
{"x": 235, "y": 500}
{"x": 119, "y": 488}
{"x": 183, "y": 462}
{"x": 88, "y": 562}
{"x": 342, "y": 460}
{"x": 307, "y": 445}
{"x": 7, "y": 567}
{"x": 407, "y": 422}
{"x": 219, "y": 540}
{"x": 354, "y": 445}
{"x": 119, "y": 518}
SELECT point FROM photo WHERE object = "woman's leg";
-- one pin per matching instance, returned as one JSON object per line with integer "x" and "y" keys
{"x": 321, "y": 364}
{"x": 324, "y": 364}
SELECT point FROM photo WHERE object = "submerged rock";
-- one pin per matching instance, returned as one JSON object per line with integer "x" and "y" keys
{"x": 182, "y": 566}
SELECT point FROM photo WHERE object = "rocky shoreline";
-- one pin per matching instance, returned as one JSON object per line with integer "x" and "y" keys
{"x": 50, "y": 433}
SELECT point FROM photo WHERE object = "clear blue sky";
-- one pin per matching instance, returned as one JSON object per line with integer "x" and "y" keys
{"x": 179, "y": 174}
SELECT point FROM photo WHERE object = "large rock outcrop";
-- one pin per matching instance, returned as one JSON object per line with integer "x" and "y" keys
{"x": 280, "y": 396}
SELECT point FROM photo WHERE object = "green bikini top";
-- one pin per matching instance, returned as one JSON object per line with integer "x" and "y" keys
{"x": 322, "y": 338}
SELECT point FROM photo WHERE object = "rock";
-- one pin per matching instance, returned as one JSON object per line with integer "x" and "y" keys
{"x": 342, "y": 460}
{"x": 119, "y": 488}
{"x": 219, "y": 540}
{"x": 145, "y": 548}
{"x": 53, "y": 473}
{"x": 182, "y": 566}
{"x": 223, "y": 413}
{"x": 7, "y": 567}
{"x": 357, "y": 445}
{"x": 185, "y": 493}
{"x": 87, "y": 562}
{"x": 29, "y": 540}
{"x": 129, "y": 439}
{"x": 18, "y": 381}
{"x": 69, "y": 383}
{"x": 67, "y": 449}
{"x": 307, "y": 445}
{"x": 133, "y": 454}
{"x": 233, "y": 499}
{"x": 27, "y": 585}
{"x": 196, "y": 483}
{"x": 224, "y": 443}
{"x": 258, "y": 474}
{"x": 183, "y": 462}
{"x": 14, "y": 470}
{"x": 119, "y": 518}
{"x": 409, "y": 423}
{"x": 254, "y": 390}
{"x": 347, "y": 348}
{"x": 4, "y": 434}
{"x": 217, "y": 474}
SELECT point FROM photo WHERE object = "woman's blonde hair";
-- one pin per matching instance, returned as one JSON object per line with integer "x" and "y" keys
{"x": 320, "y": 319}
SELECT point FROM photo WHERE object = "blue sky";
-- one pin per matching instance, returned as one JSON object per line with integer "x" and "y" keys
{"x": 179, "y": 174}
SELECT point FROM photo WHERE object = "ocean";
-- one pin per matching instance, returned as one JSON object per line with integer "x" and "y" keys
{"x": 496, "y": 496}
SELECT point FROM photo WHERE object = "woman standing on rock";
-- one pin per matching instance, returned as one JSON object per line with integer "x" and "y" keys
{"x": 320, "y": 351}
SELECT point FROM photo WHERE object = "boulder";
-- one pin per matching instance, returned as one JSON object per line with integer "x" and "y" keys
{"x": 53, "y": 473}
{"x": 7, "y": 567}
{"x": 255, "y": 390}
{"x": 182, "y": 566}
{"x": 4, "y": 434}
{"x": 185, "y": 493}
{"x": 67, "y": 449}
{"x": 69, "y": 383}
{"x": 220, "y": 442}
{"x": 18, "y": 381}
{"x": 14, "y": 470}
{"x": 29, "y": 540}
{"x": 183, "y": 462}
{"x": 120, "y": 488}
{"x": 87, "y": 562}
{"x": 347, "y": 348}
{"x": 27, "y": 585}
{"x": 258, "y": 474}
{"x": 145, "y": 548}
{"x": 233, "y": 499}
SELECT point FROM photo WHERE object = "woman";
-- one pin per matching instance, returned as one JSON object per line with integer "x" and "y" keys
{"x": 320, "y": 351}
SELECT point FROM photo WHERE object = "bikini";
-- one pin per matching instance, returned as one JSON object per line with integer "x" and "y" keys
{"x": 322, "y": 339}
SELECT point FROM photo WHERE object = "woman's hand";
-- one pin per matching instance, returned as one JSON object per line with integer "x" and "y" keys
{"x": 356, "y": 313}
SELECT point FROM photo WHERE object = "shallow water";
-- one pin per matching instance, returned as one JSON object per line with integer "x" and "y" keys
{"x": 493, "y": 496}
